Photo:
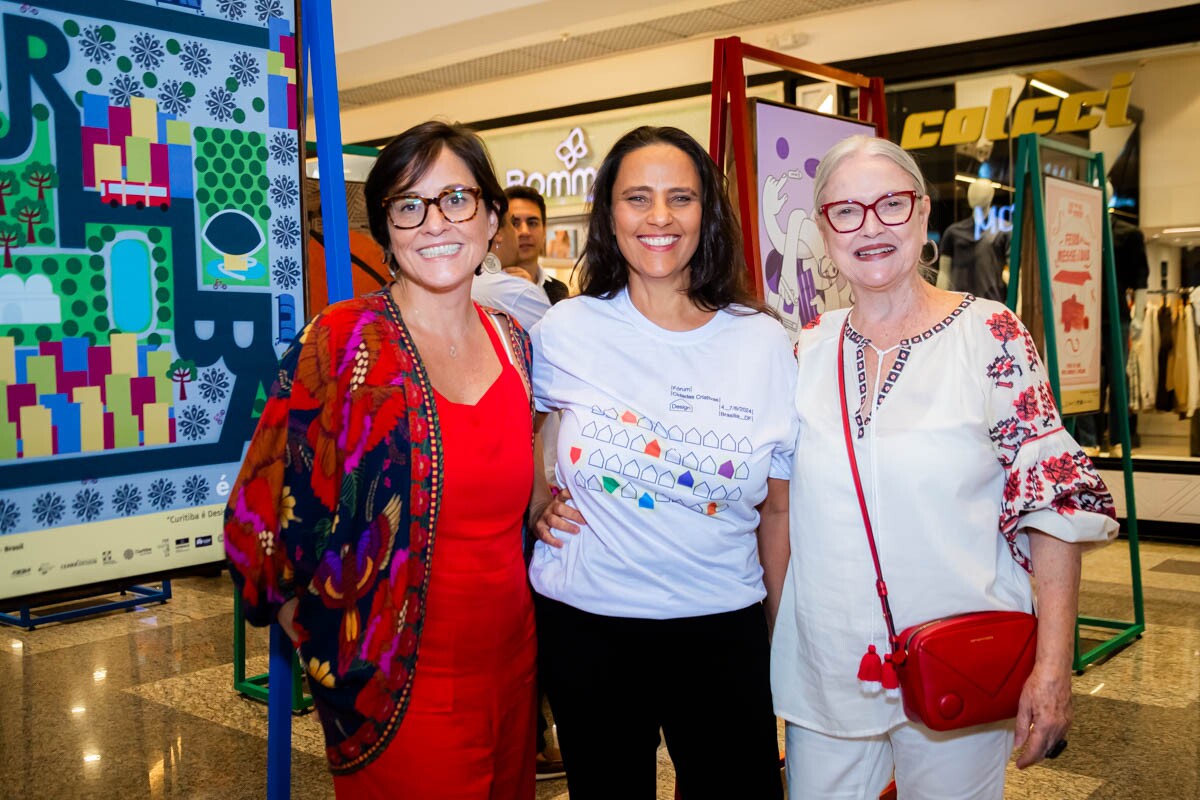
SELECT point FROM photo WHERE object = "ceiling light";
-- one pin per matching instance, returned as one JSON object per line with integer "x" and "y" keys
{"x": 973, "y": 179}
{"x": 90, "y": 758}
{"x": 1045, "y": 87}
{"x": 78, "y": 710}
{"x": 100, "y": 674}
{"x": 789, "y": 40}
{"x": 1181, "y": 230}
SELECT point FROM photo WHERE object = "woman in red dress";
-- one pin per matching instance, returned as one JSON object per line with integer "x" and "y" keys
{"x": 402, "y": 420}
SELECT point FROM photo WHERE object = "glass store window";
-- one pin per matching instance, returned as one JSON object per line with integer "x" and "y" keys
{"x": 1140, "y": 110}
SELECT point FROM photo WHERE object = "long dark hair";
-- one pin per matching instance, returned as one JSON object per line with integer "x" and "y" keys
{"x": 409, "y": 155}
{"x": 718, "y": 268}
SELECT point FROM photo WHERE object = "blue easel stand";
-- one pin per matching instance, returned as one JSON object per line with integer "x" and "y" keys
{"x": 279, "y": 717}
{"x": 317, "y": 35}
{"x": 327, "y": 124}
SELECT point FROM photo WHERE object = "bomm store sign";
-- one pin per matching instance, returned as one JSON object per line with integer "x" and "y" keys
{"x": 1042, "y": 115}
{"x": 572, "y": 180}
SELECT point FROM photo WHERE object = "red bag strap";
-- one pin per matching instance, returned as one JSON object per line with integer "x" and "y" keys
{"x": 880, "y": 585}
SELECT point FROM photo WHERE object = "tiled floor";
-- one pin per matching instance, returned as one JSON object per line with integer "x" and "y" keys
{"x": 140, "y": 704}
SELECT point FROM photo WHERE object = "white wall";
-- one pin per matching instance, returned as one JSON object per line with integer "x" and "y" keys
{"x": 869, "y": 31}
{"x": 1169, "y": 91}
{"x": 1156, "y": 254}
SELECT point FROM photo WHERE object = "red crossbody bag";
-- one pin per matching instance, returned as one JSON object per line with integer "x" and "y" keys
{"x": 953, "y": 672}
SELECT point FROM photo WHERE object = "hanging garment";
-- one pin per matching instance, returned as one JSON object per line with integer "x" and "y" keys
{"x": 1143, "y": 361}
{"x": 1179, "y": 363}
{"x": 1164, "y": 398}
{"x": 1192, "y": 360}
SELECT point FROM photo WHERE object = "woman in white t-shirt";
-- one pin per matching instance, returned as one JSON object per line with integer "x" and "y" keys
{"x": 674, "y": 455}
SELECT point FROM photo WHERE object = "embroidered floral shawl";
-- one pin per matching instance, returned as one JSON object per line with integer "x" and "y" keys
{"x": 337, "y": 504}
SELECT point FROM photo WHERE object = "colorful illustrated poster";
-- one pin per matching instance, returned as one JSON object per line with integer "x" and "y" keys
{"x": 152, "y": 262}
{"x": 1074, "y": 240}
{"x": 799, "y": 280}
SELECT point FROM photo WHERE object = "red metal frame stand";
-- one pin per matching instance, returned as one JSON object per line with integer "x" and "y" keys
{"x": 731, "y": 120}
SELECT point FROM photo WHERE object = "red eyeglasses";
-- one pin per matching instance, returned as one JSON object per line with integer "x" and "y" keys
{"x": 847, "y": 216}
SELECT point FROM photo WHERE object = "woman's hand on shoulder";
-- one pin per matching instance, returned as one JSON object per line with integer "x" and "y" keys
{"x": 1043, "y": 715}
{"x": 557, "y": 516}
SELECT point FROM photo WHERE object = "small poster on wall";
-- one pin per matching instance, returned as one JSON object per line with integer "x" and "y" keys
{"x": 151, "y": 229}
{"x": 564, "y": 241}
{"x": 1074, "y": 239}
{"x": 799, "y": 280}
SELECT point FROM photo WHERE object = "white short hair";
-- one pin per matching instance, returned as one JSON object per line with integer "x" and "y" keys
{"x": 867, "y": 145}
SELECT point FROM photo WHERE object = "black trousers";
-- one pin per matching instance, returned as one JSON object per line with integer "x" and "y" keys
{"x": 614, "y": 681}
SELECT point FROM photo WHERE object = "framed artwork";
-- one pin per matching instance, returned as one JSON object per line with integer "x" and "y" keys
{"x": 799, "y": 280}
{"x": 150, "y": 221}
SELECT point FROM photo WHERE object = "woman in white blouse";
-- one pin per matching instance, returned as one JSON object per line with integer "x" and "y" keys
{"x": 972, "y": 486}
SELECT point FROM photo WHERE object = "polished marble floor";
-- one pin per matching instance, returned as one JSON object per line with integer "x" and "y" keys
{"x": 141, "y": 705}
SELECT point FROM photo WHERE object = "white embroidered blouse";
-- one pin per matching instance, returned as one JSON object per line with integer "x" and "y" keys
{"x": 962, "y": 451}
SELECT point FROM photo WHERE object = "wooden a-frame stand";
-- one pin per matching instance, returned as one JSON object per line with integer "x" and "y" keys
{"x": 1030, "y": 195}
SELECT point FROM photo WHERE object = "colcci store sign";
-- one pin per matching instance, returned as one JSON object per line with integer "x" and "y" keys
{"x": 1032, "y": 115}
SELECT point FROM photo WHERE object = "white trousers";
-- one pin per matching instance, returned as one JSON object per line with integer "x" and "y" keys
{"x": 955, "y": 765}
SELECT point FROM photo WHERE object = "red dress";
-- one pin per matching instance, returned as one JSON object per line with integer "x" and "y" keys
{"x": 469, "y": 730}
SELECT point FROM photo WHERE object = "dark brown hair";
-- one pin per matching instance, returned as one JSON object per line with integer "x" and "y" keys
{"x": 718, "y": 267}
{"x": 530, "y": 194}
{"x": 407, "y": 157}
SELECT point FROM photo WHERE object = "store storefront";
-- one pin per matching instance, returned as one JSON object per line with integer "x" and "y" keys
{"x": 1128, "y": 88}
{"x": 1139, "y": 110}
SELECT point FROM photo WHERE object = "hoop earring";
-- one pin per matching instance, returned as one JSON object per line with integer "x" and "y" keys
{"x": 491, "y": 264}
{"x": 931, "y": 245}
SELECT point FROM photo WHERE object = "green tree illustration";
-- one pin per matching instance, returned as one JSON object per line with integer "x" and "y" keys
{"x": 182, "y": 372}
{"x": 41, "y": 177}
{"x": 8, "y": 185}
{"x": 260, "y": 402}
{"x": 10, "y": 237}
{"x": 29, "y": 212}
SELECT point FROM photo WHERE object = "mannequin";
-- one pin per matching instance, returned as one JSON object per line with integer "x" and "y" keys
{"x": 970, "y": 265}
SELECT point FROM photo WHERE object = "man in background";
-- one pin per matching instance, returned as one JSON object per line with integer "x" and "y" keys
{"x": 494, "y": 287}
{"x": 527, "y": 209}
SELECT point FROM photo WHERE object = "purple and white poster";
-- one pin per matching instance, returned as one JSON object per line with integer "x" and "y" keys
{"x": 799, "y": 280}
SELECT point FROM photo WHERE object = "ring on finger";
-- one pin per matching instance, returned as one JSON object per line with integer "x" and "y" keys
{"x": 1056, "y": 749}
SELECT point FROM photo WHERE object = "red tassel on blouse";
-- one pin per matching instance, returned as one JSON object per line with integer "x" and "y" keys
{"x": 870, "y": 670}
